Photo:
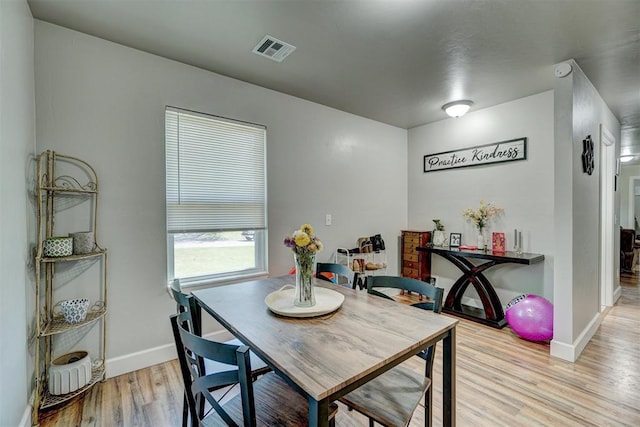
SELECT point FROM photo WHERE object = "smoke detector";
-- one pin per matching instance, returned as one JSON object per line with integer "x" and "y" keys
{"x": 272, "y": 48}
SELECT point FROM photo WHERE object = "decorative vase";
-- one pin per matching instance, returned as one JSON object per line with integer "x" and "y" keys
{"x": 305, "y": 264}
{"x": 482, "y": 240}
{"x": 438, "y": 238}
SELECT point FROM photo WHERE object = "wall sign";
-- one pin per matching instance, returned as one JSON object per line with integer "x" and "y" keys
{"x": 498, "y": 152}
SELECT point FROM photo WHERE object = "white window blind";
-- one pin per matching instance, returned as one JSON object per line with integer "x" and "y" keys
{"x": 216, "y": 178}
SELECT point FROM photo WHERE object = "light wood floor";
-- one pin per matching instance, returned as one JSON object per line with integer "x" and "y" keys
{"x": 502, "y": 380}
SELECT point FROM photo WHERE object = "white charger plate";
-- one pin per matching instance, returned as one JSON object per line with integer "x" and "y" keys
{"x": 281, "y": 302}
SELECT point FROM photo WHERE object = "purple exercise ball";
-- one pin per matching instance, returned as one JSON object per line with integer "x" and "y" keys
{"x": 531, "y": 317}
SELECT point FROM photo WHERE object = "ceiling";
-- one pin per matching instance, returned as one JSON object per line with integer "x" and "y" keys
{"x": 394, "y": 61}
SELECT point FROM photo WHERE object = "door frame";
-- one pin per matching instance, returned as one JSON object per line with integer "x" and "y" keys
{"x": 608, "y": 175}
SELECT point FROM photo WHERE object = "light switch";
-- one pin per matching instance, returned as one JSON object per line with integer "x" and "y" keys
{"x": 327, "y": 219}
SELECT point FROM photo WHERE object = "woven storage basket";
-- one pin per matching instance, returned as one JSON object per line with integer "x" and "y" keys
{"x": 58, "y": 246}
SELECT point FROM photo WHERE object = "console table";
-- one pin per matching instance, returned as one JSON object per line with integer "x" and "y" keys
{"x": 492, "y": 314}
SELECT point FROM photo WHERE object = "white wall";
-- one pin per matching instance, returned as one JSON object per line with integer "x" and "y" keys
{"x": 17, "y": 143}
{"x": 105, "y": 103}
{"x": 523, "y": 188}
{"x": 577, "y": 213}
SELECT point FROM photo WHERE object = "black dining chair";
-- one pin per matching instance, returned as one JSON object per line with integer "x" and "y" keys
{"x": 191, "y": 318}
{"x": 391, "y": 398}
{"x": 342, "y": 274}
{"x": 267, "y": 401}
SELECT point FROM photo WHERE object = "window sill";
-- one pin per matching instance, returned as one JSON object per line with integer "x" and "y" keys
{"x": 211, "y": 283}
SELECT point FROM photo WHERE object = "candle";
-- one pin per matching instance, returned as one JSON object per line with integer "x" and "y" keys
{"x": 519, "y": 239}
{"x": 515, "y": 237}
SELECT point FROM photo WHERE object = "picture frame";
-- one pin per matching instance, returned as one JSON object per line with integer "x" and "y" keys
{"x": 455, "y": 240}
{"x": 498, "y": 243}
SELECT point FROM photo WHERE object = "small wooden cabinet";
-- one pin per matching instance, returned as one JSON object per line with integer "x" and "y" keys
{"x": 416, "y": 265}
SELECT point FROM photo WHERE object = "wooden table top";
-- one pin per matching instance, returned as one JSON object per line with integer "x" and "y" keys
{"x": 325, "y": 354}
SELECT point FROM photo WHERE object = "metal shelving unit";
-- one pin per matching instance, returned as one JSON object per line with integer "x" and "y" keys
{"x": 363, "y": 264}
{"x": 52, "y": 190}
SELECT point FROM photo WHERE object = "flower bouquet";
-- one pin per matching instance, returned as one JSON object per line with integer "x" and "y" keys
{"x": 480, "y": 218}
{"x": 304, "y": 245}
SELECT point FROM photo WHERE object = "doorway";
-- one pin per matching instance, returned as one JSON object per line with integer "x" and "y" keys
{"x": 634, "y": 201}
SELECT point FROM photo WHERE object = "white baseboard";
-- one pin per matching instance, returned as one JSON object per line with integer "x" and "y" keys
{"x": 571, "y": 352}
{"x": 153, "y": 356}
{"x": 617, "y": 293}
{"x": 471, "y": 302}
{"x": 26, "y": 416}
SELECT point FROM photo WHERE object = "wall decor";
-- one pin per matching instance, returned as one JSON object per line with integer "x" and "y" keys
{"x": 497, "y": 152}
{"x": 588, "y": 161}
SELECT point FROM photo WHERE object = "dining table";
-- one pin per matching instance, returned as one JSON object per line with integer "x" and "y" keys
{"x": 326, "y": 356}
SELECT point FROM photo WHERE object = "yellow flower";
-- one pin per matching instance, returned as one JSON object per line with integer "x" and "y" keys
{"x": 301, "y": 238}
{"x": 302, "y": 241}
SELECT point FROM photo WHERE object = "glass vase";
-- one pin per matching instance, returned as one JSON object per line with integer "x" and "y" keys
{"x": 482, "y": 240}
{"x": 305, "y": 266}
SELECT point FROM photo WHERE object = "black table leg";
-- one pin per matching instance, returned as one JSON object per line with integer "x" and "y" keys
{"x": 492, "y": 313}
{"x": 449, "y": 379}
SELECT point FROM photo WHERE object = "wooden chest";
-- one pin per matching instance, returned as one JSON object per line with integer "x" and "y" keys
{"x": 416, "y": 265}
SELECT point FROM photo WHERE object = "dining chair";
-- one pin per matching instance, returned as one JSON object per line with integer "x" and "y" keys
{"x": 391, "y": 398}
{"x": 191, "y": 319}
{"x": 342, "y": 274}
{"x": 267, "y": 401}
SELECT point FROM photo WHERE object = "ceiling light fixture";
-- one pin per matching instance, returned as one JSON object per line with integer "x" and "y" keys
{"x": 626, "y": 158}
{"x": 457, "y": 108}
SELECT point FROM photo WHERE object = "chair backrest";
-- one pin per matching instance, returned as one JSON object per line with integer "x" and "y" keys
{"x": 434, "y": 304}
{"x": 434, "y": 294}
{"x": 192, "y": 348}
{"x": 186, "y": 304}
{"x": 338, "y": 270}
{"x": 627, "y": 239}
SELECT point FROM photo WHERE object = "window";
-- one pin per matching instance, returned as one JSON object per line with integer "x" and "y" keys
{"x": 216, "y": 197}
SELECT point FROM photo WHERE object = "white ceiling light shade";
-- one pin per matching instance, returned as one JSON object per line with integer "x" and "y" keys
{"x": 626, "y": 158}
{"x": 457, "y": 108}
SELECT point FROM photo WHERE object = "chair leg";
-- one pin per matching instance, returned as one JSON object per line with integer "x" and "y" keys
{"x": 428, "y": 401}
{"x": 185, "y": 411}
{"x": 200, "y": 409}
{"x": 371, "y": 422}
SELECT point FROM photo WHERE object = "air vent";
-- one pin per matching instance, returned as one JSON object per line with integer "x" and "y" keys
{"x": 273, "y": 48}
